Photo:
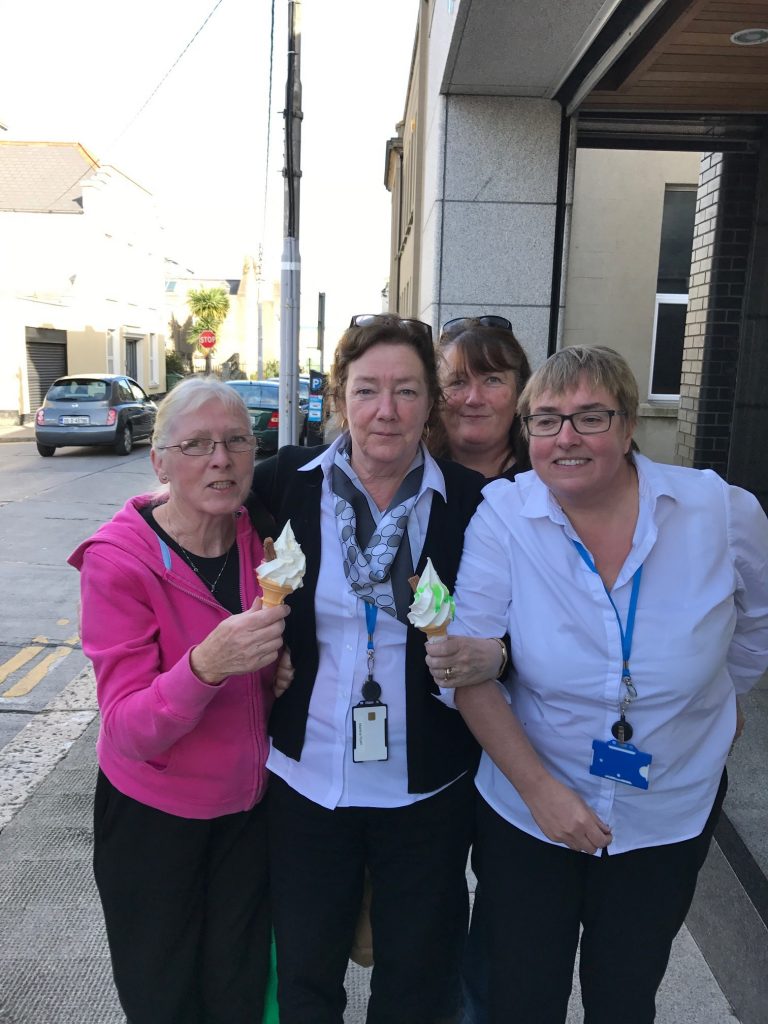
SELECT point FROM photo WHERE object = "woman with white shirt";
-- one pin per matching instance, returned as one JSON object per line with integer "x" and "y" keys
{"x": 635, "y": 595}
{"x": 348, "y": 793}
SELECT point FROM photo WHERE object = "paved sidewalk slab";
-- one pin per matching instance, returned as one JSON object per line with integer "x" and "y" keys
{"x": 54, "y": 965}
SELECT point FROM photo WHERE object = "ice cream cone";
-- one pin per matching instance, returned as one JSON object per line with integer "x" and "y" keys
{"x": 272, "y": 594}
{"x": 436, "y": 632}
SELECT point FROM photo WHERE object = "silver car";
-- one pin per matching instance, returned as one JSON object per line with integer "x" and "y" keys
{"x": 94, "y": 409}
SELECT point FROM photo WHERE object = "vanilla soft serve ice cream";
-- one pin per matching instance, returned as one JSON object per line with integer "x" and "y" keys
{"x": 432, "y": 607}
{"x": 283, "y": 570}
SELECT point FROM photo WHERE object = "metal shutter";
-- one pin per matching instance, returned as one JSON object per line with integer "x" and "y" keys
{"x": 46, "y": 360}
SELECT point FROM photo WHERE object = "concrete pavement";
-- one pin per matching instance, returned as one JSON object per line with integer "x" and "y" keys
{"x": 14, "y": 432}
{"x": 54, "y": 965}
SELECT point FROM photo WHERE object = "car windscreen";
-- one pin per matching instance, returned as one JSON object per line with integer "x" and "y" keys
{"x": 78, "y": 390}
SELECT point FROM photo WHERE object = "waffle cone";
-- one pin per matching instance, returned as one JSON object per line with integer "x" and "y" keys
{"x": 436, "y": 632}
{"x": 273, "y": 594}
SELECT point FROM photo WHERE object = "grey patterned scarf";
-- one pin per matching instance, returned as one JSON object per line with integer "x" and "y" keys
{"x": 377, "y": 555}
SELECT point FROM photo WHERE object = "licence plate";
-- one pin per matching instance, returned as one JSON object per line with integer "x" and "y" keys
{"x": 68, "y": 421}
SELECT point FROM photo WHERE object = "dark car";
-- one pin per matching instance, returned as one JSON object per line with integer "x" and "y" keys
{"x": 94, "y": 409}
{"x": 263, "y": 400}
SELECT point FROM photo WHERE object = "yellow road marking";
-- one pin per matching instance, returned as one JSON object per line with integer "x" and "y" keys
{"x": 33, "y": 677}
{"x": 15, "y": 663}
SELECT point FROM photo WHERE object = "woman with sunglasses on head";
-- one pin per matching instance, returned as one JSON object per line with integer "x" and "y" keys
{"x": 184, "y": 658}
{"x": 483, "y": 368}
{"x": 635, "y": 595}
{"x": 348, "y": 792}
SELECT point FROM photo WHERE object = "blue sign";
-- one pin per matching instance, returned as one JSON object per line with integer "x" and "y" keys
{"x": 315, "y": 414}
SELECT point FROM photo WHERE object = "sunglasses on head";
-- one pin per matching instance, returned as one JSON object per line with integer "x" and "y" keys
{"x": 462, "y": 323}
{"x": 375, "y": 319}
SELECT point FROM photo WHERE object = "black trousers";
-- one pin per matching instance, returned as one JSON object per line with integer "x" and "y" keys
{"x": 186, "y": 906}
{"x": 533, "y": 898}
{"x": 417, "y": 859}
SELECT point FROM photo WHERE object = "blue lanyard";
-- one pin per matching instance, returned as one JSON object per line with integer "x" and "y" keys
{"x": 626, "y": 634}
{"x": 371, "y": 614}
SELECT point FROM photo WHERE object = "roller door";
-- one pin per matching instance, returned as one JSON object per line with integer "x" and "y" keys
{"x": 46, "y": 360}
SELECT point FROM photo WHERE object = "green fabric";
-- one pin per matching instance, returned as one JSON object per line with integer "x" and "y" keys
{"x": 271, "y": 1014}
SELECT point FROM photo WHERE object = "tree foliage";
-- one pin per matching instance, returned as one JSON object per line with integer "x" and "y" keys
{"x": 209, "y": 308}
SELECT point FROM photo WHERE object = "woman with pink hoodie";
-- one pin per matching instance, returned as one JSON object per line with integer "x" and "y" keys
{"x": 184, "y": 657}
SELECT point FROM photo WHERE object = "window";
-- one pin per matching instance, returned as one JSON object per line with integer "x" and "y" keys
{"x": 672, "y": 290}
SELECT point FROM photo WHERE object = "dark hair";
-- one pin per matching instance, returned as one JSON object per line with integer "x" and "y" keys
{"x": 387, "y": 330}
{"x": 482, "y": 350}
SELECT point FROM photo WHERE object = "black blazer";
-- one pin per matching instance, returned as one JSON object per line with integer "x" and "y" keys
{"x": 439, "y": 745}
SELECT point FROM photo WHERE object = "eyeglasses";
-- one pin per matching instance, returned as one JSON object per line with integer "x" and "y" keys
{"x": 207, "y": 446}
{"x": 376, "y": 319}
{"x": 462, "y": 323}
{"x": 592, "y": 421}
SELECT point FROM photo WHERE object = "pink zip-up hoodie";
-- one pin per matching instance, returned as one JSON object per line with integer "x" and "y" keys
{"x": 167, "y": 739}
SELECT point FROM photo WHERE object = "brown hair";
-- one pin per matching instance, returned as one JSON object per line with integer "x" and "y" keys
{"x": 386, "y": 330}
{"x": 480, "y": 350}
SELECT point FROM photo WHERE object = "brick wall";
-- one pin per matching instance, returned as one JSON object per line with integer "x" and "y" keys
{"x": 722, "y": 237}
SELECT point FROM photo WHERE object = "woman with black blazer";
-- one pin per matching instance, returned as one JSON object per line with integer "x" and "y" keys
{"x": 371, "y": 769}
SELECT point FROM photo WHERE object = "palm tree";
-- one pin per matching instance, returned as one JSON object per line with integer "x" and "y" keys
{"x": 209, "y": 308}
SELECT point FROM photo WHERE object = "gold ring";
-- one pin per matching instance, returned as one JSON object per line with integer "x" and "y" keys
{"x": 448, "y": 673}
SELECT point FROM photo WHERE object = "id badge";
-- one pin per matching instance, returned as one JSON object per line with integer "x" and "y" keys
{"x": 620, "y": 762}
{"x": 369, "y": 732}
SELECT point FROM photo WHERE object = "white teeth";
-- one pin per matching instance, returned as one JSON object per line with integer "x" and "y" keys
{"x": 571, "y": 462}
{"x": 221, "y": 485}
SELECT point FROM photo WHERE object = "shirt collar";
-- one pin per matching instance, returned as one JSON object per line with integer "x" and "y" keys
{"x": 433, "y": 478}
{"x": 653, "y": 482}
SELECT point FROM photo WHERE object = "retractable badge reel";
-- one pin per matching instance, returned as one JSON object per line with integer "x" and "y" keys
{"x": 369, "y": 717}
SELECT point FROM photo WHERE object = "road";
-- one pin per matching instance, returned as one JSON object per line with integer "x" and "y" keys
{"x": 47, "y": 506}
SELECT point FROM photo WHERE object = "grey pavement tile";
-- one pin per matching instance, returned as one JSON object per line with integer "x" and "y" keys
{"x": 66, "y": 883}
{"x": 44, "y": 841}
{"x": 77, "y": 991}
{"x": 60, "y": 933}
{"x": 76, "y": 777}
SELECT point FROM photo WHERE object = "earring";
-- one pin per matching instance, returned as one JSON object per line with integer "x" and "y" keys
{"x": 163, "y": 478}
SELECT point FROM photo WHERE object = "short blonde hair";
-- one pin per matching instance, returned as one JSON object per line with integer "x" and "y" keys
{"x": 601, "y": 367}
{"x": 190, "y": 394}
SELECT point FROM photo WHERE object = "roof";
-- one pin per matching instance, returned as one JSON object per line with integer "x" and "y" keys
{"x": 43, "y": 177}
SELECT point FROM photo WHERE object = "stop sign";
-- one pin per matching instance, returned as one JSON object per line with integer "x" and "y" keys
{"x": 207, "y": 339}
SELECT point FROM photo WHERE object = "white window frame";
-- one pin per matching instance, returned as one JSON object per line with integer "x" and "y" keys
{"x": 112, "y": 350}
{"x": 153, "y": 378}
{"x": 663, "y": 299}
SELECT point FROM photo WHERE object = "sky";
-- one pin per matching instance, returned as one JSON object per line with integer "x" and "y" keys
{"x": 83, "y": 70}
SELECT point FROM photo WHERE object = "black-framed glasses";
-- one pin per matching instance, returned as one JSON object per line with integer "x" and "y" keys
{"x": 207, "y": 446}
{"x": 463, "y": 323}
{"x": 374, "y": 319}
{"x": 591, "y": 421}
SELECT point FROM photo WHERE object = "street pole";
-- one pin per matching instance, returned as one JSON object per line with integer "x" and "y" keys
{"x": 321, "y": 327}
{"x": 290, "y": 268}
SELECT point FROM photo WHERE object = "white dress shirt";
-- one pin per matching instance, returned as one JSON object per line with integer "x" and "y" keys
{"x": 700, "y": 637}
{"x": 326, "y": 772}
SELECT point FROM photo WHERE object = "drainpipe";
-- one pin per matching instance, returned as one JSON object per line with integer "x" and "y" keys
{"x": 561, "y": 211}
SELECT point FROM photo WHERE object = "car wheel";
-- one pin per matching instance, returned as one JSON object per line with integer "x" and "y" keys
{"x": 124, "y": 440}
{"x": 46, "y": 450}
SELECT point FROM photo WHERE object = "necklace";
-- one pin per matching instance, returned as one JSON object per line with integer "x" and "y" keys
{"x": 190, "y": 562}
{"x": 195, "y": 569}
